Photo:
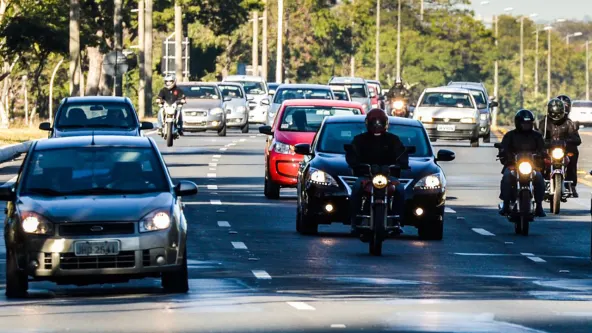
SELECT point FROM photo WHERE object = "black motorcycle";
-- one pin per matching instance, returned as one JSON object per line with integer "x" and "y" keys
{"x": 557, "y": 188}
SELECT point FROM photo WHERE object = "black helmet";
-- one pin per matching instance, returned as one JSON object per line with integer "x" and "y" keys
{"x": 377, "y": 121}
{"x": 567, "y": 102}
{"x": 524, "y": 120}
{"x": 556, "y": 109}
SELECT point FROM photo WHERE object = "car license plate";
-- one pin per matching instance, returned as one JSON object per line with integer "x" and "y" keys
{"x": 106, "y": 248}
{"x": 446, "y": 128}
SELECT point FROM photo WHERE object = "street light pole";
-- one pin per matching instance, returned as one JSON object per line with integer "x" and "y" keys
{"x": 587, "y": 71}
{"x": 141, "y": 55}
{"x": 522, "y": 62}
{"x": 178, "y": 41}
{"x": 352, "y": 60}
{"x": 117, "y": 37}
{"x": 575, "y": 34}
{"x": 399, "y": 40}
{"x": 549, "y": 63}
{"x": 377, "y": 60}
{"x": 536, "y": 65}
{"x": 496, "y": 73}
{"x": 280, "y": 52}
{"x": 255, "y": 54}
{"x": 264, "y": 45}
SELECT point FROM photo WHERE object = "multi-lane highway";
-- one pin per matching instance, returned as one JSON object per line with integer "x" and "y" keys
{"x": 251, "y": 271}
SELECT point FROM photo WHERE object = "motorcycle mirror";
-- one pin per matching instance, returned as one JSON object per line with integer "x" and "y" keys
{"x": 497, "y": 145}
{"x": 265, "y": 130}
{"x": 146, "y": 125}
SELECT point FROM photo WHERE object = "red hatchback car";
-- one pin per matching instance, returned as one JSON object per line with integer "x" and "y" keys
{"x": 296, "y": 122}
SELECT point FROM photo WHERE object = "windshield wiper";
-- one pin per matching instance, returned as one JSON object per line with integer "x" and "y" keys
{"x": 43, "y": 191}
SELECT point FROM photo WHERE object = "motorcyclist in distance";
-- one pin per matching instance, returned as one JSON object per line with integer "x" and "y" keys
{"x": 398, "y": 91}
{"x": 522, "y": 139}
{"x": 572, "y": 147}
{"x": 376, "y": 147}
{"x": 170, "y": 94}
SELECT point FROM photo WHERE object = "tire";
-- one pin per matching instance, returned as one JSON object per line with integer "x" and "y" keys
{"x": 245, "y": 129}
{"x": 176, "y": 282}
{"x": 432, "y": 231}
{"x": 307, "y": 225}
{"x": 378, "y": 219}
{"x": 222, "y": 131}
{"x": 524, "y": 213}
{"x": 271, "y": 190}
{"x": 169, "y": 135}
{"x": 556, "y": 200}
{"x": 475, "y": 143}
{"x": 487, "y": 138}
{"x": 17, "y": 282}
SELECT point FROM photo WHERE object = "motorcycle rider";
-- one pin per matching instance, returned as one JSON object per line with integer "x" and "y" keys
{"x": 571, "y": 149}
{"x": 522, "y": 139}
{"x": 398, "y": 92}
{"x": 170, "y": 94}
{"x": 376, "y": 146}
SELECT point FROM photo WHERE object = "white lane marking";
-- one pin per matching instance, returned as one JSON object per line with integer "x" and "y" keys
{"x": 483, "y": 232}
{"x": 213, "y": 164}
{"x": 252, "y": 136}
{"x": 223, "y": 149}
{"x": 564, "y": 271}
{"x": 508, "y": 242}
{"x": 301, "y": 306}
{"x": 231, "y": 144}
{"x": 338, "y": 326}
{"x": 243, "y": 140}
{"x": 217, "y": 156}
{"x": 215, "y": 160}
{"x": 212, "y": 169}
{"x": 224, "y": 224}
{"x": 211, "y": 175}
{"x": 261, "y": 275}
{"x": 12, "y": 180}
{"x": 215, "y": 202}
{"x": 536, "y": 259}
{"x": 239, "y": 245}
{"x": 484, "y": 254}
{"x": 212, "y": 187}
{"x": 527, "y": 254}
{"x": 449, "y": 210}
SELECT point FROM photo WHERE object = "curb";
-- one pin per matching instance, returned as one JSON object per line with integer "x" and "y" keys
{"x": 10, "y": 152}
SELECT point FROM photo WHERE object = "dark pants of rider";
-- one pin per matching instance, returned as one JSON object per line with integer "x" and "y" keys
{"x": 509, "y": 182}
{"x": 571, "y": 172}
{"x": 358, "y": 192}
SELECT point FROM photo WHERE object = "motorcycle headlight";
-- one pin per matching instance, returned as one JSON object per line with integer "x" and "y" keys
{"x": 282, "y": 148}
{"x": 321, "y": 178}
{"x": 398, "y": 104}
{"x": 468, "y": 120}
{"x": 170, "y": 110}
{"x": 483, "y": 116}
{"x": 431, "y": 182}
{"x": 155, "y": 221}
{"x": 525, "y": 168}
{"x": 558, "y": 153}
{"x": 379, "y": 181}
{"x": 33, "y": 223}
{"x": 241, "y": 109}
{"x": 216, "y": 111}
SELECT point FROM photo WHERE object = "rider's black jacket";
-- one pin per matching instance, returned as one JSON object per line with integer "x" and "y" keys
{"x": 515, "y": 142}
{"x": 386, "y": 149}
{"x": 171, "y": 95}
{"x": 564, "y": 130}
{"x": 398, "y": 93}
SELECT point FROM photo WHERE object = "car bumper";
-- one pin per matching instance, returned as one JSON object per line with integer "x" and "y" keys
{"x": 461, "y": 131}
{"x": 211, "y": 122}
{"x": 236, "y": 119}
{"x": 137, "y": 256}
{"x": 283, "y": 169}
{"x": 258, "y": 115}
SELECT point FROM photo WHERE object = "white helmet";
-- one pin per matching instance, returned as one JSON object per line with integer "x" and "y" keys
{"x": 170, "y": 81}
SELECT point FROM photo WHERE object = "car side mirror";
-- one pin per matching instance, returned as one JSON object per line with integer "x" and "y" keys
{"x": 45, "y": 126}
{"x": 227, "y": 99}
{"x": 445, "y": 155}
{"x": 302, "y": 149}
{"x": 494, "y": 104}
{"x": 252, "y": 104}
{"x": 271, "y": 92}
{"x": 250, "y": 98}
{"x": 7, "y": 193}
{"x": 265, "y": 130}
{"x": 185, "y": 188}
{"x": 590, "y": 172}
{"x": 146, "y": 125}
{"x": 265, "y": 102}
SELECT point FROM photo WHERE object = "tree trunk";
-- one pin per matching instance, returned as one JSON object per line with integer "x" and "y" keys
{"x": 95, "y": 70}
{"x": 74, "y": 73}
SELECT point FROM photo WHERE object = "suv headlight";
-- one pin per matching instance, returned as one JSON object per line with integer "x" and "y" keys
{"x": 216, "y": 111}
{"x": 159, "y": 220}
{"x": 557, "y": 153}
{"x": 468, "y": 120}
{"x": 283, "y": 148}
{"x": 431, "y": 182}
{"x": 319, "y": 177}
{"x": 33, "y": 223}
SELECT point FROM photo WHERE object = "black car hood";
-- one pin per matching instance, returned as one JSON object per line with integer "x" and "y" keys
{"x": 96, "y": 208}
{"x": 97, "y": 131}
{"x": 335, "y": 165}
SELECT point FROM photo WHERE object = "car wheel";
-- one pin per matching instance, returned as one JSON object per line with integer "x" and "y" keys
{"x": 475, "y": 142}
{"x": 307, "y": 225}
{"x": 487, "y": 138}
{"x": 17, "y": 282}
{"x": 245, "y": 129}
{"x": 432, "y": 231}
{"x": 178, "y": 281}
{"x": 271, "y": 189}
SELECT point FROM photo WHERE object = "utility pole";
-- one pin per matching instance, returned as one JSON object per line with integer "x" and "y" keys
{"x": 74, "y": 46}
{"x": 280, "y": 51}
{"x": 496, "y": 72}
{"x": 399, "y": 41}
{"x": 148, "y": 56}
{"x": 179, "y": 41}
{"x": 255, "y": 53}
{"x": 377, "y": 60}
{"x": 352, "y": 59}
{"x": 549, "y": 65}
{"x": 521, "y": 62}
{"x": 141, "y": 61}
{"x": 536, "y": 65}
{"x": 421, "y": 11}
{"x": 117, "y": 41}
{"x": 587, "y": 71}
{"x": 264, "y": 46}
{"x": 24, "y": 78}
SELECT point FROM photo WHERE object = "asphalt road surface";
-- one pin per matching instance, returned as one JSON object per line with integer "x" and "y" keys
{"x": 250, "y": 270}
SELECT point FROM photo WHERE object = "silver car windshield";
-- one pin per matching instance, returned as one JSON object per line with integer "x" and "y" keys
{"x": 231, "y": 91}
{"x": 294, "y": 93}
{"x": 94, "y": 171}
{"x": 355, "y": 90}
{"x": 201, "y": 92}
{"x": 253, "y": 88}
{"x": 449, "y": 100}
{"x": 96, "y": 115}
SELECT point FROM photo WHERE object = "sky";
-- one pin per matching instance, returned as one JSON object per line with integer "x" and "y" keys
{"x": 547, "y": 10}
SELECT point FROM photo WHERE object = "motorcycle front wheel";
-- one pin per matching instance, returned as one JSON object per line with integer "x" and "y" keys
{"x": 378, "y": 221}
{"x": 169, "y": 134}
{"x": 523, "y": 225}
{"x": 557, "y": 187}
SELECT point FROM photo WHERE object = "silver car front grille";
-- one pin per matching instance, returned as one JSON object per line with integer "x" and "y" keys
{"x": 195, "y": 113}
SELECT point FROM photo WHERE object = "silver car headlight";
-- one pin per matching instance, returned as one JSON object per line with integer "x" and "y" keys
{"x": 216, "y": 111}
{"x": 33, "y": 223}
{"x": 283, "y": 148}
{"x": 483, "y": 116}
{"x": 319, "y": 177}
{"x": 159, "y": 220}
{"x": 241, "y": 109}
{"x": 468, "y": 120}
{"x": 430, "y": 182}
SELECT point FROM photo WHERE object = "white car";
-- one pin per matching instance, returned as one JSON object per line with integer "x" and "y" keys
{"x": 581, "y": 111}
{"x": 257, "y": 94}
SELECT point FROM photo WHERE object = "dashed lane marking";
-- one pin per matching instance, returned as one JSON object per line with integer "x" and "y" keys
{"x": 215, "y": 202}
{"x": 261, "y": 275}
{"x": 217, "y": 156}
{"x": 449, "y": 210}
{"x": 301, "y": 306}
{"x": 223, "y": 149}
{"x": 239, "y": 245}
{"x": 483, "y": 232}
{"x": 252, "y": 136}
{"x": 211, "y": 175}
{"x": 213, "y": 164}
{"x": 337, "y": 326}
{"x": 224, "y": 224}
{"x": 528, "y": 254}
{"x": 212, "y": 187}
{"x": 243, "y": 140}
{"x": 536, "y": 259}
{"x": 212, "y": 169}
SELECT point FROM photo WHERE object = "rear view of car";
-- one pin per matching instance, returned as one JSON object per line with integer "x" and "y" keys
{"x": 357, "y": 87}
{"x": 287, "y": 92}
{"x": 485, "y": 104}
{"x": 341, "y": 93}
{"x": 581, "y": 112}
{"x": 257, "y": 94}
